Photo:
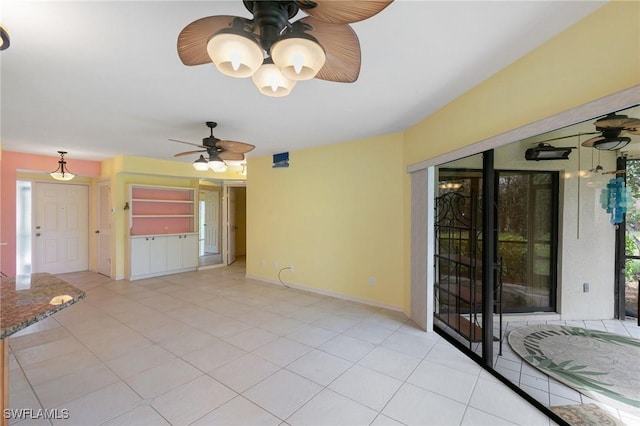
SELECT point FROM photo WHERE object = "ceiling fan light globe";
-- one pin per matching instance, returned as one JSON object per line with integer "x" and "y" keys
{"x": 612, "y": 144}
{"x": 235, "y": 54}
{"x": 218, "y": 166}
{"x": 236, "y": 163}
{"x": 201, "y": 164}
{"x": 299, "y": 58}
{"x": 271, "y": 82}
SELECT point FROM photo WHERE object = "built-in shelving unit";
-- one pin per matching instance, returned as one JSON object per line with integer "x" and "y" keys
{"x": 157, "y": 210}
{"x": 162, "y": 229}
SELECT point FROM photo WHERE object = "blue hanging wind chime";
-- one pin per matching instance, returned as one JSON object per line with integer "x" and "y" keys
{"x": 615, "y": 199}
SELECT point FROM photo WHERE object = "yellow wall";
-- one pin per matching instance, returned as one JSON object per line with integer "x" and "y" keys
{"x": 341, "y": 214}
{"x": 598, "y": 56}
{"x": 335, "y": 214}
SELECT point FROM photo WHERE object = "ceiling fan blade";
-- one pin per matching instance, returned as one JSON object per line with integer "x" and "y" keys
{"x": 345, "y": 12}
{"x": 590, "y": 143}
{"x": 228, "y": 155}
{"x": 613, "y": 121}
{"x": 193, "y": 39}
{"x": 567, "y": 137}
{"x": 342, "y": 48}
{"x": 614, "y": 172}
{"x": 234, "y": 147}
{"x": 180, "y": 154}
{"x": 188, "y": 143}
{"x": 635, "y": 131}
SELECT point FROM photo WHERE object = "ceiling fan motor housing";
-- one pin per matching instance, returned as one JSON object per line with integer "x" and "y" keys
{"x": 271, "y": 17}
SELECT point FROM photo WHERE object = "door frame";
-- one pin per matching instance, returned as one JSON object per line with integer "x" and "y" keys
{"x": 99, "y": 231}
{"x": 216, "y": 194}
{"x": 226, "y": 232}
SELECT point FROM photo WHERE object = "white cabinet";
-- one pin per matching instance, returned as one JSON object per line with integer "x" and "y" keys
{"x": 155, "y": 255}
{"x": 182, "y": 251}
{"x": 139, "y": 256}
{"x": 174, "y": 252}
{"x": 190, "y": 251}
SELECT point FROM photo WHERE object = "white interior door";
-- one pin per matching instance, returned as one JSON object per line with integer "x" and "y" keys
{"x": 61, "y": 228}
{"x": 104, "y": 229}
{"x": 231, "y": 225}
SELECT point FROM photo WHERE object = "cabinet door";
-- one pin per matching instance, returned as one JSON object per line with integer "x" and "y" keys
{"x": 174, "y": 252}
{"x": 189, "y": 251}
{"x": 139, "y": 256}
{"x": 157, "y": 254}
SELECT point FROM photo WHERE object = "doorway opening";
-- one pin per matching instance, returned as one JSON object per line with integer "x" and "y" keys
{"x": 222, "y": 223}
{"x": 209, "y": 225}
{"x": 235, "y": 218}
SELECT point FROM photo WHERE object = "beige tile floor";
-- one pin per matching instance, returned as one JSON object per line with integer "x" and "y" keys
{"x": 214, "y": 348}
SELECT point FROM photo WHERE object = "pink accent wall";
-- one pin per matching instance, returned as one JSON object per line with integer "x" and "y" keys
{"x": 161, "y": 194}
{"x": 161, "y": 225}
{"x": 12, "y": 162}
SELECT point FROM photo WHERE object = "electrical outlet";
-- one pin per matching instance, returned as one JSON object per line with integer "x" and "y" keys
{"x": 275, "y": 265}
{"x": 291, "y": 268}
{"x": 585, "y": 287}
{"x": 372, "y": 281}
{"x": 262, "y": 263}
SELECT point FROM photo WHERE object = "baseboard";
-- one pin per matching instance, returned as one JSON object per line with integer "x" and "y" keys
{"x": 204, "y": 267}
{"x": 330, "y": 293}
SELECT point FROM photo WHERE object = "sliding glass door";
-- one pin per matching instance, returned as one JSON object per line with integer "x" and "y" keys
{"x": 527, "y": 235}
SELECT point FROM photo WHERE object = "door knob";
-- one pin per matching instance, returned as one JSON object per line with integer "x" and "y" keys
{"x": 98, "y": 231}
{"x": 37, "y": 234}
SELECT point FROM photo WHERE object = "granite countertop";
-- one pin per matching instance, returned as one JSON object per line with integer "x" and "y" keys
{"x": 27, "y": 299}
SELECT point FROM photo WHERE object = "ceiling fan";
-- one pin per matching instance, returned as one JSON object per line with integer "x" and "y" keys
{"x": 275, "y": 52}
{"x": 220, "y": 152}
{"x": 611, "y": 130}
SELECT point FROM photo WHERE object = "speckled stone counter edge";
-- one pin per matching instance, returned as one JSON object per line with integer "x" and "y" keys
{"x": 22, "y": 308}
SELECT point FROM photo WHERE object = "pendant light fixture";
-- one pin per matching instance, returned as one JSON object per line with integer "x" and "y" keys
{"x": 62, "y": 173}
